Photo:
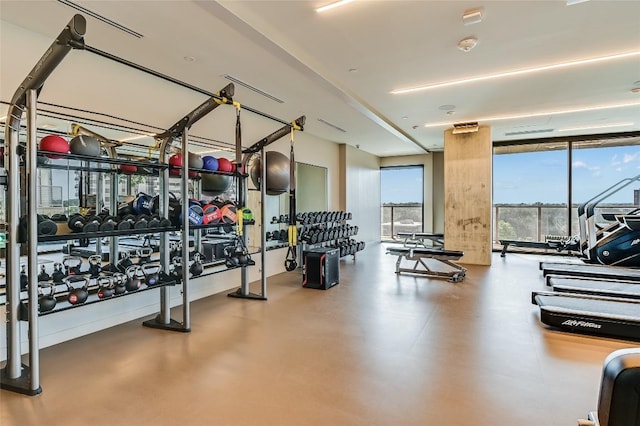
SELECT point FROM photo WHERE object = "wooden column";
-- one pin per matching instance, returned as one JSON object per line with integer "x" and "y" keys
{"x": 468, "y": 194}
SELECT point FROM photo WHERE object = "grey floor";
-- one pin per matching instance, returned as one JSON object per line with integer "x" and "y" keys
{"x": 377, "y": 349}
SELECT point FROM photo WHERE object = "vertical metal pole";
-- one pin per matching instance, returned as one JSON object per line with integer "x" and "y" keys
{"x": 14, "y": 365}
{"x": 263, "y": 234}
{"x": 570, "y": 189}
{"x": 164, "y": 316}
{"x": 113, "y": 210}
{"x": 32, "y": 174}
{"x": 186, "y": 311}
{"x": 99, "y": 205}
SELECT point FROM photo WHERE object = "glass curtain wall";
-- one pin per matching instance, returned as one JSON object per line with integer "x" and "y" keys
{"x": 535, "y": 182}
{"x": 402, "y": 199}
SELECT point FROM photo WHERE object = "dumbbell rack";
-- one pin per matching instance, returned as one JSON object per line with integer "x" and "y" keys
{"x": 23, "y": 378}
{"x": 329, "y": 229}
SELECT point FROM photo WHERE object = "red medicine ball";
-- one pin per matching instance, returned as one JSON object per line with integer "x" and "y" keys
{"x": 175, "y": 161}
{"x": 224, "y": 165}
{"x": 54, "y": 143}
{"x": 128, "y": 168}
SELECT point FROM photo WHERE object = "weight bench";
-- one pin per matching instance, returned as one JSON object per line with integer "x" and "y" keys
{"x": 415, "y": 239}
{"x": 420, "y": 256}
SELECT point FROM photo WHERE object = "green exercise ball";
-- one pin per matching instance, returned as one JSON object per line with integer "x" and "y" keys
{"x": 213, "y": 185}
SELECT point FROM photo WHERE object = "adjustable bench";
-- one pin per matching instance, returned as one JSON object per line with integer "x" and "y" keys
{"x": 421, "y": 256}
{"x": 415, "y": 239}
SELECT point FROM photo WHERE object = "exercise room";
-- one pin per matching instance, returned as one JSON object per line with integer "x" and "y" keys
{"x": 319, "y": 212}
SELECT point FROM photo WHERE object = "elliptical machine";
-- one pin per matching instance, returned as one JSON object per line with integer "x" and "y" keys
{"x": 616, "y": 244}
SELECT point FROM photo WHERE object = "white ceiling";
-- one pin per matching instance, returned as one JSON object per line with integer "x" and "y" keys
{"x": 304, "y": 58}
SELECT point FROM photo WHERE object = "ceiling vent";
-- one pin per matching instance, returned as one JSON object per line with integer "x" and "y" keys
{"x": 469, "y": 127}
{"x": 252, "y": 88}
{"x": 332, "y": 125}
{"x": 528, "y": 132}
{"x": 101, "y": 18}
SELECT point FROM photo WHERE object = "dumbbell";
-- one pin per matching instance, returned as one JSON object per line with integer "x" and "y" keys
{"x": 136, "y": 222}
{"x": 46, "y": 226}
{"x": 109, "y": 223}
{"x": 158, "y": 222}
{"x": 78, "y": 223}
{"x": 77, "y": 295}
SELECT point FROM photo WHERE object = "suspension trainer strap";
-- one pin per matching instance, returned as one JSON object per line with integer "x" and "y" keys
{"x": 290, "y": 262}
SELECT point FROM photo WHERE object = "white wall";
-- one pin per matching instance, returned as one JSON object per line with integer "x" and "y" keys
{"x": 360, "y": 177}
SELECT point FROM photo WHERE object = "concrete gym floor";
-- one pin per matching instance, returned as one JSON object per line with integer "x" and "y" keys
{"x": 374, "y": 350}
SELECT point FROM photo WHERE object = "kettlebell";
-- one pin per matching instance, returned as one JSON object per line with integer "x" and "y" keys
{"x": 196, "y": 267}
{"x": 77, "y": 295}
{"x": 119, "y": 283}
{"x": 151, "y": 274}
{"x": 105, "y": 287}
{"x": 46, "y": 302}
{"x": 72, "y": 264}
{"x": 133, "y": 282}
{"x": 125, "y": 262}
{"x": 176, "y": 273}
{"x": 57, "y": 275}
{"x": 24, "y": 280}
{"x": 43, "y": 276}
{"x": 95, "y": 265}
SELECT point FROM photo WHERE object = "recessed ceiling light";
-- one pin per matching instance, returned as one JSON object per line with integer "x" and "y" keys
{"x": 333, "y": 5}
{"x": 446, "y": 107}
{"x": 189, "y": 58}
{"x": 600, "y": 126}
{"x": 541, "y": 113}
{"x": 405, "y": 118}
{"x": 516, "y": 72}
{"x": 572, "y": 2}
{"x": 635, "y": 90}
{"x": 353, "y": 69}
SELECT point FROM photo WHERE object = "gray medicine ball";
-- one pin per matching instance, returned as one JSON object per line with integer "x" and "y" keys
{"x": 277, "y": 173}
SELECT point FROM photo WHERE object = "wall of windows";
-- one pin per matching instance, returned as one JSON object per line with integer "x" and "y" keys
{"x": 535, "y": 182}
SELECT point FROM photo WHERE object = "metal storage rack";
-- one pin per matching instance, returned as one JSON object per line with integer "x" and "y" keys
{"x": 23, "y": 378}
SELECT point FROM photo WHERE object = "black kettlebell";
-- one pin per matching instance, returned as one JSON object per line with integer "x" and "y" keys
{"x": 151, "y": 274}
{"x": 46, "y": 302}
{"x": 176, "y": 268}
{"x": 24, "y": 280}
{"x": 43, "y": 276}
{"x": 72, "y": 264}
{"x": 105, "y": 287}
{"x": 196, "y": 267}
{"x": 95, "y": 265}
{"x": 77, "y": 295}
{"x": 125, "y": 262}
{"x": 119, "y": 283}
{"x": 133, "y": 282}
{"x": 58, "y": 275}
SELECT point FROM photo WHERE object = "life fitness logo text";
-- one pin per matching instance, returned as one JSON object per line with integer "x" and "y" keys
{"x": 576, "y": 323}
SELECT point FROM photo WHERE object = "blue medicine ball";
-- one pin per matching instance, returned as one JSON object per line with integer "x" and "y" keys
{"x": 210, "y": 163}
